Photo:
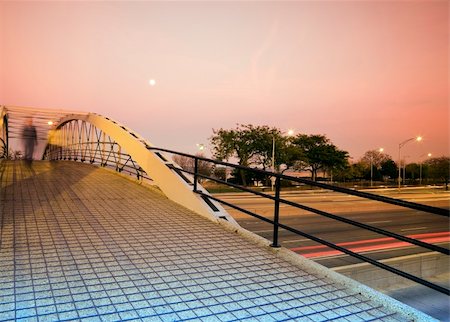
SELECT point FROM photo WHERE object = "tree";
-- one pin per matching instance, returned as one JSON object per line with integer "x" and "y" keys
{"x": 375, "y": 157}
{"x": 348, "y": 173}
{"x": 220, "y": 173}
{"x": 389, "y": 169}
{"x": 318, "y": 153}
{"x": 357, "y": 171}
{"x": 249, "y": 144}
{"x": 253, "y": 145}
{"x": 289, "y": 155}
{"x": 188, "y": 164}
{"x": 439, "y": 169}
{"x": 184, "y": 162}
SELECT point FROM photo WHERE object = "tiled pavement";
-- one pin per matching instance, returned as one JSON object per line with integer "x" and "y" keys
{"x": 82, "y": 243}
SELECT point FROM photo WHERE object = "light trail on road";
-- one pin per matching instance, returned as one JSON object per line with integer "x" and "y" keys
{"x": 416, "y": 228}
{"x": 388, "y": 217}
{"x": 376, "y": 244}
{"x": 378, "y": 222}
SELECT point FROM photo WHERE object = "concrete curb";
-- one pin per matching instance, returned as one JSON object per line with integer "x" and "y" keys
{"x": 408, "y": 312}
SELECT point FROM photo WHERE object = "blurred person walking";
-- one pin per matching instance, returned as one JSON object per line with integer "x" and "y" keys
{"x": 29, "y": 137}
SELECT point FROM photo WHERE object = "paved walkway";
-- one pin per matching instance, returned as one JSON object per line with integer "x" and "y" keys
{"x": 82, "y": 243}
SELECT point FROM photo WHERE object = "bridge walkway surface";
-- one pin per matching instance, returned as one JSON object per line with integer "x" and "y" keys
{"x": 83, "y": 243}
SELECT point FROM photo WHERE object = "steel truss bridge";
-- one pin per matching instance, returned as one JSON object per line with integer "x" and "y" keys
{"x": 98, "y": 140}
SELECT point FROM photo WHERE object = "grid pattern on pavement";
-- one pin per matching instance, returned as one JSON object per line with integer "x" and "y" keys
{"x": 81, "y": 243}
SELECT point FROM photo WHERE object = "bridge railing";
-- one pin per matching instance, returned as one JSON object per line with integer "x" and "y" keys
{"x": 108, "y": 157}
{"x": 4, "y": 148}
{"x": 277, "y": 200}
{"x": 82, "y": 141}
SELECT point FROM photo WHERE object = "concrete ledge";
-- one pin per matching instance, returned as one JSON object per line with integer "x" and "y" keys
{"x": 408, "y": 312}
{"x": 424, "y": 265}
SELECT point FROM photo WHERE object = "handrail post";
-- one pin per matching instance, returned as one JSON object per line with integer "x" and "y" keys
{"x": 139, "y": 173}
{"x": 119, "y": 158}
{"x": 276, "y": 213}
{"x": 195, "y": 173}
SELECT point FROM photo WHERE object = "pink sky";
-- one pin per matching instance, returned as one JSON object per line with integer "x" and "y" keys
{"x": 366, "y": 74}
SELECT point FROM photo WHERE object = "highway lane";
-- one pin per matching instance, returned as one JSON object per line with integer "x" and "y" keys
{"x": 427, "y": 227}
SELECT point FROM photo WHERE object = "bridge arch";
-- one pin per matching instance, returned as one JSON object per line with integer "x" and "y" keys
{"x": 96, "y": 138}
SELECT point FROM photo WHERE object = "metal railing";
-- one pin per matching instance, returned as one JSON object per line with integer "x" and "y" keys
{"x": 4, "y": 148}
{"x": 98, "y": 153}
{"x": 77, "y": 140}
{"x": 278, "y": 200}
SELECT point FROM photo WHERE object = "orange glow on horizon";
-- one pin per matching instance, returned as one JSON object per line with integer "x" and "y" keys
{"x": 363, "y": 73}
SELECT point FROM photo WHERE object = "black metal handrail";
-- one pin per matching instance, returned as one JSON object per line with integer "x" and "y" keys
{"x": 398, "y": 202}
{"x": 334, "y": 246}
{"x": 121, "y": 162}
{"x": 277, "y": 200}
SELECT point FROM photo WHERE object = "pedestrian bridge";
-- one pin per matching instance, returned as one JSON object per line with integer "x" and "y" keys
{"x": 81, "y": 242}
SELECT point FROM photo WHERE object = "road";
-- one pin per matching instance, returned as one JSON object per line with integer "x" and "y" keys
{"x": 415, "y": 224}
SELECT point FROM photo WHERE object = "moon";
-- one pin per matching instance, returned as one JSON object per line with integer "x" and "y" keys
{"x": 152, "y": 82}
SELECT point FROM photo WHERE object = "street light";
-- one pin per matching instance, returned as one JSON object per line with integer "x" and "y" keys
{"x": 200, "y": 146}
{"x": 290, "y": 132}
{"x": 400, "y": 145}
{"x": 421, "y": 162}
{"x": 404, "y": 163}
{"x": 371, "y": 166}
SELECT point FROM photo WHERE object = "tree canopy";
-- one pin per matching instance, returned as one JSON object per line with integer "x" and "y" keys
{"x": 375, "y": 157}
{"x": 249, "y": 144}
{"x": 378, "y": 161}
{"x": 389, "y": 169}
{"x": 439, "y": 169}
{"x": 253, "y": 146}
{"x": 318, "y": 153}
{"x": 188, "y": 164}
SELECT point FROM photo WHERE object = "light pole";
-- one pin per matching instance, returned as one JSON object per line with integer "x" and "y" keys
{"x": 289, "y": 133}
{"x": 404, "y": 163}
{"x": 371, "y": 166}
{"x": 400, "y": 145}
{"x": 420, "y": 172}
